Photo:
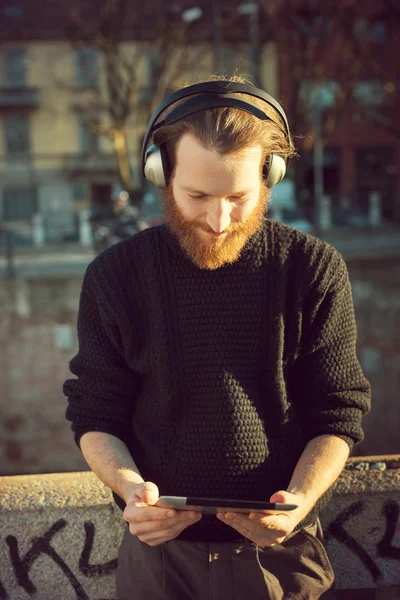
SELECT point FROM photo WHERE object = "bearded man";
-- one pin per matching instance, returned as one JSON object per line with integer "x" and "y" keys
{"x": 217, "y": 359}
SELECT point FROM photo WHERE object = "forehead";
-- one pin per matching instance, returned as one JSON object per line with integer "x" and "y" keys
{"x": 196, "y": 165}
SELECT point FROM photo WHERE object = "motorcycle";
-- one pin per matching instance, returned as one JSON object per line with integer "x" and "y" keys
{"x": 109, "y": 233}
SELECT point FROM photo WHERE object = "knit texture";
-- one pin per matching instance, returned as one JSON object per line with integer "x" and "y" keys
{"x": 216, "y": 380}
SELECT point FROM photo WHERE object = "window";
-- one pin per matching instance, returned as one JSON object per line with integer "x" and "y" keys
{"x": 16, "y": 133}
{"x": 20, "y": 204}
{"x": 79, "y": 191}
{"x": 370, "y": 31}
{"x": 13, "y": 11}
{"x": 14, "y": 67}
{"x": 312, "y": 24}
{"x": 369, "y": 93}
{"x": 88, "y": 138}
{"x": 319, "y": 96}
{"x": 87, "y": 67}
{"x": 376, "y": 172}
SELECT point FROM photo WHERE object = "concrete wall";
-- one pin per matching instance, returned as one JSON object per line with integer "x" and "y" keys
{"x": 60, "y": 534}
{"x": 38, "y": 338}
{"x": 376, "y": 294}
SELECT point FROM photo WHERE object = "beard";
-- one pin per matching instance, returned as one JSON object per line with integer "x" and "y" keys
{"x": 213, "y": 253}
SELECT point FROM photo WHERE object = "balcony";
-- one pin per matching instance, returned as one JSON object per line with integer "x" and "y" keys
{"x": 94, "y": 163}
{"x": 19, "y": 97}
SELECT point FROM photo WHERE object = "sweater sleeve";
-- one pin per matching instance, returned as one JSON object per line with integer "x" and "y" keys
{"x": 330, "y": 390}
{"x": 101, "y": 398}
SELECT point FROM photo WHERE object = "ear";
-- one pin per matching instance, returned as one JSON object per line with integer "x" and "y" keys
{"x": 275, "y": 170}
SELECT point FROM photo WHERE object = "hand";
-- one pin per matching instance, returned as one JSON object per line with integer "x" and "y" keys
{"x": 267, "y": 529}
{"x": 153, "y": 525}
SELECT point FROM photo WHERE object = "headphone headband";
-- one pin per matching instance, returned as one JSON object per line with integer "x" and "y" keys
{"x": 204, "y": 101}
{"x": 222, "y": 89}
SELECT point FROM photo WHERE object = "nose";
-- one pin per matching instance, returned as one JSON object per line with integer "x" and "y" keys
{"x": 219, "y": 215}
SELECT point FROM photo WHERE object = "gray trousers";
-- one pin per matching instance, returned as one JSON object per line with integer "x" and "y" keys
{"x": 297, "y": 569}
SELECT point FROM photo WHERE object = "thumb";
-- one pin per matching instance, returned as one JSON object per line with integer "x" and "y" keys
{"x": 147, "y": 493}
{"x": 282, "y": 496}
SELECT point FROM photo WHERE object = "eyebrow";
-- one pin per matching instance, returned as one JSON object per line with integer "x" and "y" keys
{"x": 193, "y": 191}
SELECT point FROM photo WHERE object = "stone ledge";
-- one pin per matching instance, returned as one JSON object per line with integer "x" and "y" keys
{"x": 54, "y": 490}
{"x": 60, "y": 534}
{"x": 370, "y": 473}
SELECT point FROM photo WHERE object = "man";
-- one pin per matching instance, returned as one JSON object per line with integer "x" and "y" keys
{"x": 217, "y": 359}
{"x": 114, "y": 223}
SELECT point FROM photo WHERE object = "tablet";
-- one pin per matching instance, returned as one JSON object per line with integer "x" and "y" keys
{"x": 215, "y": 505}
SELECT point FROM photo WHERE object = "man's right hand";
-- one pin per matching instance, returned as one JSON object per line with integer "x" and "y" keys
{"x": 153, "y": 525}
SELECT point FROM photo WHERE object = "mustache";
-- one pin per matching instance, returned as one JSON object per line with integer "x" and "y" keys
{"x": 232, "y": 228}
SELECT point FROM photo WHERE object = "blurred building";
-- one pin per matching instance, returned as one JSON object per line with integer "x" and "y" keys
{"x": 355, "y": 53}
{"x": 54, "y": 161}
{"x": 56, "y": 158}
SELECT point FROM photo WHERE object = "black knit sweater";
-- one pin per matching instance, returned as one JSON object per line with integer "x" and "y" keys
{"x": 216, "y": 380}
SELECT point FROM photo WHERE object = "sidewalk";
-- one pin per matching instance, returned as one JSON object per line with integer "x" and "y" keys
{"x": 71, "y": 259}
{"x": 365, "y": 244}
{"x": 48, "y": 260}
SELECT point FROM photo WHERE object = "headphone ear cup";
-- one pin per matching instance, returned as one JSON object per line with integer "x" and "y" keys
{"x": 154, "y": 167}
{"x": 274, "y": 170}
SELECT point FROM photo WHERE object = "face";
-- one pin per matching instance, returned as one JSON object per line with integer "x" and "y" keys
{"x": 215, "y": 202}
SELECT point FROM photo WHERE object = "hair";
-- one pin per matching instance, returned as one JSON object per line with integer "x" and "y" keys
{"x": 228, "y": 130}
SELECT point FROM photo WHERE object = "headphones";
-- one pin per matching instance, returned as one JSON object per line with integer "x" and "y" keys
{"x": 212, "y": 94}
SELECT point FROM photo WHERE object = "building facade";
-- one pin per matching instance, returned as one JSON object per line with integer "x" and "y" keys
{"x": 54, "y": 162}
{"x": 356, "y": 57}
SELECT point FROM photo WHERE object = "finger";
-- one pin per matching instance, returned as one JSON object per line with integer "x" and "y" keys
{"x": 280, "y": 496}
{"x": 240, "y": 519}
{"x": 242, "y": 524}
{"x": 146, "y": 492}
{"x": 276, "y": 522}
{"x": 159, "y": 537}
{"x": 149, "y": 493}
{"x": 137, "y": 512}
{"x": 140, "y": 528}
{"x": 263, "y": 518}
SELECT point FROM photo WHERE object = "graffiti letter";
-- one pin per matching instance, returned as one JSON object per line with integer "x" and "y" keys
{"x": 384, "y": 548}
{"x": 3, "y": 593}
{"x": 41, "y": 546}
{"x": 84, "y": 566}
{"x": 337, "y": 531}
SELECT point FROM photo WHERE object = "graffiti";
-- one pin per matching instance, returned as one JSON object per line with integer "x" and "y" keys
{"x": 41, "y": 546}
{"x": 337, "y": 531}
{"x": 3, "y": 593}
{"x": 84, "y": 566}
{"x": 384, "y": 547}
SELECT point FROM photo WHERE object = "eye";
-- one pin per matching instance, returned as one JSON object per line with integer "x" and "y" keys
{"x": 238, "y": 199}
{"x": 200, "y": 197}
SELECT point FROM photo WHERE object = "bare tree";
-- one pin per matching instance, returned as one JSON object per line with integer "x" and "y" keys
{"x": 376, "y": 49}
{"x": 329, "y": 48}
{"x": 126, "y": 92}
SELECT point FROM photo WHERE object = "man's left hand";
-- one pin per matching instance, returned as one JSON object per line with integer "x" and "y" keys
{"x": 268, "y": 529}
